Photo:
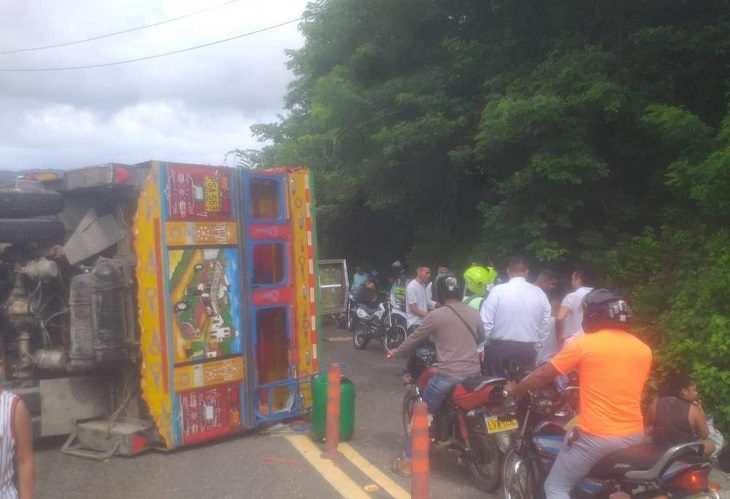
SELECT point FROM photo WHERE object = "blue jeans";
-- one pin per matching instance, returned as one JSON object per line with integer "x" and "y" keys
{"x": 436, "y": 391}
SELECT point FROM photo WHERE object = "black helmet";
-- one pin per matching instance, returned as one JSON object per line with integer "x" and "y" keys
{"x": 397, "y": 269}
{"x": 447, "y": 286}
{"x": 605, "y": 308}
{"x": 373, "y": 276}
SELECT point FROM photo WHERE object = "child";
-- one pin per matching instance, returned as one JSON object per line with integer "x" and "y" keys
{"x": 678, "y": 417}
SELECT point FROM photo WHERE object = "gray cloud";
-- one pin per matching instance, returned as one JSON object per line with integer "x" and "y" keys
{"x": 190, "y": 107}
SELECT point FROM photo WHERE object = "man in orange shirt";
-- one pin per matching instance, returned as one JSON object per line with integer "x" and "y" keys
{"x": 613, "y": 366}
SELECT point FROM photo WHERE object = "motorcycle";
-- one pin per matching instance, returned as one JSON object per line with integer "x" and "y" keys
{"x": 467, "y": 421}
{"x": 347, "y": 319}
{"x": 641, "y": 470}
{"x": 381, "y": 323}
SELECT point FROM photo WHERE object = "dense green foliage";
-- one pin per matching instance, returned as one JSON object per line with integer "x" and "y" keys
{"x": 458, "y": 130}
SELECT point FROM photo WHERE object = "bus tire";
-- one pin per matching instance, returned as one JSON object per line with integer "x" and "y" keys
{"x": 17, "y": 203}
{"x": 21, "y": 230}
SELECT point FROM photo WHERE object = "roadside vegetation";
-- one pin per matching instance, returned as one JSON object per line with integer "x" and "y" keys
{"x": 573, "y": 132}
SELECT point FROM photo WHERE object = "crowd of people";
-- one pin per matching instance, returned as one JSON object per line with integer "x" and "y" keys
{"x": 482, "y": 324}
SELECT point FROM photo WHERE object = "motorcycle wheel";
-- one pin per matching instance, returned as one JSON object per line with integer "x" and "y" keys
{"x": 360, "y": 336}
{"x": 523, "y": 484}
{"x": 485, "y": 461}
{"x": 394, "y": 336}
{"x": 350, "y": 318}
{"x": 410, "y": 398}
{"x": 399, "y": 320}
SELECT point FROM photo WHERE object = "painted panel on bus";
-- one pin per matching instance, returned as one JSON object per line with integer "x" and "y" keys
{"x": 198, "y": 193}
{"x": 205, "y": 303}
{"x": 305, "y": 337}
{"x": 209, "y": 373}
{"x": 201, "y": 234}
{"x": 211, "y": 412}
{"x": 152, "y": 312}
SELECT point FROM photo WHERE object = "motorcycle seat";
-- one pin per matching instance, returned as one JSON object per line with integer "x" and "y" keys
{"x": 641, "y": 462}
{"x": 369, "y": 309}
{"x": 636, "y": 457}
{"x": 476, "y": 383}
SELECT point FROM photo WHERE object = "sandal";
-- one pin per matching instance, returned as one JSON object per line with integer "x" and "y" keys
{"x": 402, "y": 466}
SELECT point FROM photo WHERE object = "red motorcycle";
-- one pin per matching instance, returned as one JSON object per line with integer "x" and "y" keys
{"x": 467, "y": 422}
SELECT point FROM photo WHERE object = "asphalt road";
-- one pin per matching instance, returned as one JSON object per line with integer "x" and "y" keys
{"x": 262, "y": 465}
{"x": 267, "y": 465}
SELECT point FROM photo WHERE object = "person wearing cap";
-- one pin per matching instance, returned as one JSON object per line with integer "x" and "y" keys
{"x": 478, "y": 281}
{"x": 456, "y": 332}
{"x": 399, "y": 282}
{"x": 613, "y": 366}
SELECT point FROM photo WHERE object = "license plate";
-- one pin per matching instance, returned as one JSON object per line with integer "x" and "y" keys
{"x": 495, "y": 425}
{"x": 212, "y": 197}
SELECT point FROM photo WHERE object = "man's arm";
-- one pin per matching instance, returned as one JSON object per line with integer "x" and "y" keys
{"x": 536, "y": 379}
{"x": 481, "y": 337}
{"x": 486, "y": 314}
{"x": 566, "y": 307}
{"x": 416, "y": 311}
{"x": 545, "y": 323}
{"x": 24, "y": 465}
{"x": 419, "y": 335}
{"x": 429, "y": 297}
{"x": 560, "y": 317}
{"x": 562, "y": 313}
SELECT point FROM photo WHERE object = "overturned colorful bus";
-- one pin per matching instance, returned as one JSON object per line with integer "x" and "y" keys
{"x": 159, "y": 304}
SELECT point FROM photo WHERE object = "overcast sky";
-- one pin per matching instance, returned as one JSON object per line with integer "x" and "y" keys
{"x": 191, "y": 107}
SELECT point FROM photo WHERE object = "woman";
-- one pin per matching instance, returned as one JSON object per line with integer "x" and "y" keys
{"x": 16, "y": 448}
{"x": 678, "y": 417}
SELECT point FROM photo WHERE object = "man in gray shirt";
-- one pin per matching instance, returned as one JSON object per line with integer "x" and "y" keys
{"x": 456, "y": 331}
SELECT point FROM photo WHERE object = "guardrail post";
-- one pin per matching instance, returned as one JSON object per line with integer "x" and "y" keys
{"x": 332, "y": 430}
{"x": 419, "y": 463}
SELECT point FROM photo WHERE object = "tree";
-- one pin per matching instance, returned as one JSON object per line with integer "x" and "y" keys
{"x": 465, "y": 130}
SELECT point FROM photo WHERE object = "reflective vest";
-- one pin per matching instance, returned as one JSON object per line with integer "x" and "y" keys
{"x": 474, "y": 301}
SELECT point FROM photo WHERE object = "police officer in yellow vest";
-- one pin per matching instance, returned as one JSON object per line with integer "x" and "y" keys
{"x": 479, "y": 280}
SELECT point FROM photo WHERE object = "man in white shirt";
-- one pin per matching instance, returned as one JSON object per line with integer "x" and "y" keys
{"x": 516, "y": 319}
{"x": 569, "y": 319}
{"x": 416, "y": 298}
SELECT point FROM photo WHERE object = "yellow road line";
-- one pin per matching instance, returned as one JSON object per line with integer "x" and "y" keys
{"x": 328, "y": 469}
{"x": 377, "y": 476}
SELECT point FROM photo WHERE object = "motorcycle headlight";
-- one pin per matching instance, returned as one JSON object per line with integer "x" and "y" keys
{"x": 361, "y": 313}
